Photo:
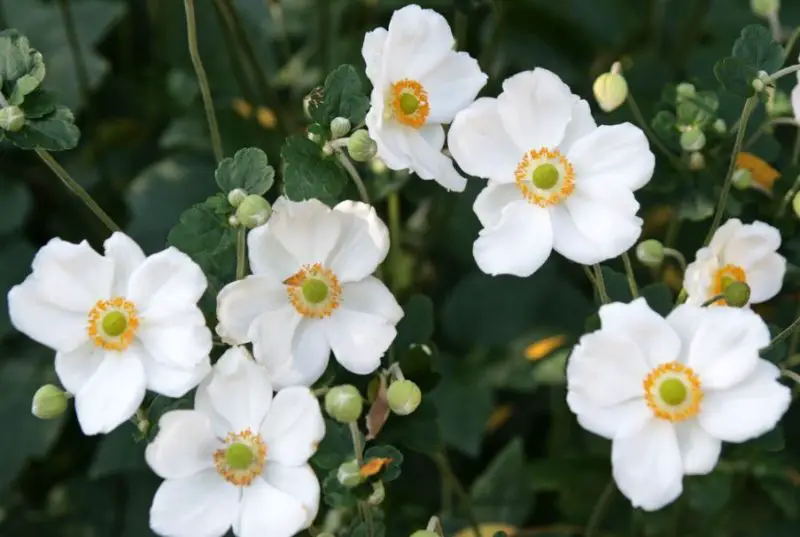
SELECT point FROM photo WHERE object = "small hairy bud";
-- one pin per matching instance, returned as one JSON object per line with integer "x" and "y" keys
{"x": 796, "y": 205}
{"x": 696, "y": 161}
{"x": 404, "y": 397}
{"x": 12, "y": 118}
{"x": 49, "y": 402}
{"x": 361, "y": 147}
{"x": 254, "y": 211}
{"x": 236, "y": 196}
{"x": 340, "y": 126}
{"x": 650, "y": 253}
{"x": 344, "y": 403}
{"x": 742, "y": 179}
{"x": 765, "y": 8}
{"x": 693, "y": 140}
{"x": 610, "y": 90}
{"x": 685, "y": 90}
{"x": 349, "y": 474}
{"x": 719, "y": 126}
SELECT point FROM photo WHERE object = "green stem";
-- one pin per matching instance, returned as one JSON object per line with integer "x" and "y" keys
{"x": 712, "y": 300}
{"x": 783, "y": 335}
{"x": 652, "y": 136}
{"x": 791, "y": 374}
{"x": 450, "y": 477}
{"x": 202, "y": 79}
{"x": 749, "y": 106}
{"x": 77, "y": 189}
{"x": 358, "y": 447}
{"x": 600, "y": 284}
{"x": 677, "y": 256}
{"x": 600, "y": 508}
{"x": 354, "y": 175}
{"x": 790, "y": 43}
{"x": 795, "y": 339}
{"x": 783, "y": 72}
{"x": 241, "y": 253}
{"x": 626, "y": 260}
{"x": 395, "y": 236}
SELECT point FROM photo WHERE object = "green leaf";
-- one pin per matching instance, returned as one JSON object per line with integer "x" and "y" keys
{"x": 501, "y": 493}
{"x": 39, "y": 104}
{"x": 53, "y": 132}
{"x": 15, "y": 203}
{"x": 416, "y": 363}
{"x": 418, "y": 431}
{"x": 28, "y": 82}
{"x": 616, "y": 285}
{"x": 736, "y": 76}
{"x": 695, "y": 206}
{"x": 658, "y": 297}
{"x": 416, "y": 326}
{"x": 772, "y": 441}
{"x": 336, "y": 447}
{"x": 16, "y": 58}
{"x": 15, "y": 257}
{"x": 665, "y": 125}
{"x": 336, "y": 494}
{"x": 391, "y": 471}
{"x": 119, "y": 453}
{"x": 308, "y": 174}
{"x": 756, "y": 48}
{"x": 343, "y": 96}
{"x": 708, "y": 494}
{"x": 248, "y": 170}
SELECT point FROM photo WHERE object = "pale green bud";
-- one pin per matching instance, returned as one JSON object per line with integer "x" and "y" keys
{"x": 610, "y": 91}
{"x": 693, "y": 140}
{"x": 49, "y": 402}
{"x": 765, "y": 8}
{"x": 254, "y": 211}
{"x": 696, "y": 161}
{"x": 404, "y": 397}
{"x": 361, "y": 147}
{"x": 742, "y": 179}
{"x": 236, "y": 196}
{"x": 12, "y": 118}
{"x": 650, "y": 253}
{"x": 758, "y": 85}
{"x": 344, "y": 403}
{"x": 796, "y": 205}
{"x": 340, "y": 126}
{"x": 719, "y": 126}
{"x": 349, "y": 474}
{"x": 737, "y": 294}
{"x": 685, "y": 90}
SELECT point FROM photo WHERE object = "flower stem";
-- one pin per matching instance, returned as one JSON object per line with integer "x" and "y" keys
{"x": 353, "y": 173}
{"x": 749, "y": 106}
{"x": 600, "y": 284}
{"x": 626, "y": 260}
{"x": 791, "y": 374}
{"x": 77, "y": 189}
{"x": 783, "y": 335}
{"x": 202, "y": 79}
{"x": 358, "y": 447}
{"x": 600, "y": 508}
{"x": 712, "y": 300}
{"x": 435, "y": 525}
{"x": 241, "y": 253}
{"x": 677, "y": 256}
{"x": 790, "y": 43}
{"x": 395, "y": 233}
{"x": 654, "y": 139}
{"x": 450, "y": 477}
{"x": 783, "y": 72}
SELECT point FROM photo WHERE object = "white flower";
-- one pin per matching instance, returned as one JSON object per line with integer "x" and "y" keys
{"x": 737, "y": 252}
{"x": 312, "y": 292}
{"x": 556, "y": 179}
{"x": 239, "y": 459}
{"x": 667, "y": 392}
{"x": 419, "y": 82}
{"x": 120, "y": 323}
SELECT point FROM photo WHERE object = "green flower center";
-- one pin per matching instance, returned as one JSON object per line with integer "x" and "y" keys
{"x": 673, "y": 392}
{"x": 545, "y": 176}
{"x": 239, "y": 456}
{"x": 408, "y": 103}
{"x": 115, "y": 323}
{"x": 314, "y": 290}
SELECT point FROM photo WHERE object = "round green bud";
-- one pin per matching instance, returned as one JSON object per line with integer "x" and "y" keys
{"x": 239, "y": 456}
{"x": 349, "y": 474}
{"x": 404, "y": 397}
{"x": 778, "y": 104}
{"x": 758, "y": 85}
{"x": 545, "y": 176}
{"x": 673, "y": 391}
{"x": 737, "y": 294}
{"x": 12, "y": 118}
{"x": 49, "y": 402}
{"x": 719, "y": 126}
{"x": 697, "y": 161}
{"x": 377, "y": 166}
{"x": 344, "y": 403}
{"x": 765, "y": 8}
{"x": 796, "y": 204}
{"x": 424, "y": 533}
{"x": 313, "y": 137}
{"x": 361, "y": 147}
{"x": 233, "y": 221}
{"x": 610, "y": 91}
{"x": 693, "y": 140}
{"x": 650, "y": 253}
{"x": 254, "y": 211}
{"x": 742, "y": 179}
{"x": 340, "y": 126}
{"x": 685, "y": 90}
{"x": 236, "y": 196}
{"x": 378, "y": 493}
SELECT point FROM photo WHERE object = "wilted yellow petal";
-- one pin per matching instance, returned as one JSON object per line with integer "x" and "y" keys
{"x": 242, "y": 108}
{"x": 499, "y": 417}
{"x": 266, "y": 118}
{"x": 373, "y": 466}
{"x": 764, "y": 175}
{"x": 539, "y": 349}
{"x": 488, "y": 530}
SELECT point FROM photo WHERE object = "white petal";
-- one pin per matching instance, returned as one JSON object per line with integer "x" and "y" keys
{"x": 491, "y": 201}
{"x": 267, "y": 255}
{"x": 76, "y": 367}
{"x": 685, "y": 320}
{"x": 265, "y": 510}
{"x": 452, "y": 86}
{"x": 299, "y": 482}
{"x": 127, "y": 256}
{"x": 427, "y": 160}
{"x": 796, "y": 102}
{"x": 182, "y": 340}
{"x": 519, "y": 244}
{"x": 167, "y": 282}
{"x": 699, "y": 450}
{"x": 372, "y": 51}
{"x": 362, "y": 244}
{"x": 724, "y": 349}
{"x": 480, "y": 145}
{"x": 241, "y": 302}
{"x": 581, "y": 124}
{"x": 170, "y": 380}
{"x": 44, "y": 321}
{"x": 371, "y": 295}
{"x": 535, "y": 107}
{"x": 647, "y": 466}
{"x": 306, "y": 229}
{"x": 239, "y": 390}
{"x": 656, "y": 339}
{"x": 72, "y": 276}
{"x": 610, "y": 422}
{"x": 184, "y": 445}
{"x": 359, "y": 339}
{"x": 203, "y": 505}
{"x": 699, "y": 276}
{"x": 417, "y": 41}
{"x": 113, "y": 394}
{"x": 390, "y": 150}
{"x": 748, "y": 409}
{"x": 766, "y": 278}
{"x": 570, "y": 242}
{"x": 617, "y": 155}
{"x": 751, "y": 244}
{"x": 293, "y": 427}
{"x": 308, "y": 360}
{"x": 724, "y": 234}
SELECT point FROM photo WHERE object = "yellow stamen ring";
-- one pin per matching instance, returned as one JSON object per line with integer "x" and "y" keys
{"x": 314, "y": 291}
{"x": 408, "y": 103}
{"x": 113, "y": 323}
{"x": 673, "y": 392}
{"x": 545, "y": 177}
{"x": 242, "y": 459}
{"x": 724, "y": 277}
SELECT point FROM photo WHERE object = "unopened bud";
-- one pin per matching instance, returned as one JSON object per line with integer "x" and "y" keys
{"x": 254, "y": 211}
{"x": 361, "y": 147}
{"x": 650, "y": 253}
{"x": 685, "y": 90}
{"x": 610, "y": 91}
{"x": 344, "y": 403}
{"x": 779, "y": 104}
{"x": 49, "y": 402}
{"x": 340, "y": 126}
{"x": 737, "y": 294}
{"x": 796, "y": 204}
{"x": 719, "y": 126}
{"x": 378, "y": 493}
{"x": 12, "y": 118}
{"x": 697, "y": 161}
{"x": 693, "y": 140}
{"x": 313, "y": 137}
{"x": 758, "y": 85}
{"x": 765, "y": 8}
{"x": 236, "y": 196}
{"x": 742, "y": 179}
{"x": 377, "y": 166}
{"x": 349, "y": 474}
{"x": 233, "y": 221}
{"x": 404, "y": 397}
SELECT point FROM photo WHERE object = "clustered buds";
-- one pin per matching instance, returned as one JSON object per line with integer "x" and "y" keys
{"x": 611, "y": 89}
{"x": 344, "y": 403}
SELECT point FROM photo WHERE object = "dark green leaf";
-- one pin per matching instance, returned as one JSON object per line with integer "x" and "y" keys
{"x": 502, "y": 493}
{"x": 17, "y": 59}
{"x": 335, "y": 448}
{"x": 343, "y": 97}
{"x": 416, "y": 326}
{"x": 309, "y": 174}
{"x": 16, "y": 257}
{"x": 757, "y": 49}
{"x": 709, "y": 493}
{"x": 248, "y": 170}
{"x": 391, "y": 471}
{"x": 15, "y": 202}
{"x": 418, "y": 431}
{"x": 736, "y": 76}
{"x": 120, "y": 452}
{"x": 772, "y": 441}
{"x": 665, "y": 125}
{"x": 53, "y": 132}
{"x": 336, "y": 494}
{"x": 658, "y": 297}
{"x": 39, "y": 104}
{"x": 416, "y": 363}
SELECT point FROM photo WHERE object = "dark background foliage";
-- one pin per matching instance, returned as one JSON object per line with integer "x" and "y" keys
{"x": 498, "y": 410}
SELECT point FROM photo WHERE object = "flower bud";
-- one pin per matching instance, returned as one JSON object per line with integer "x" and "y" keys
{"x": 377, "y": 166}
{"x": 404, "y": 397}
{"x": 361, "y": 147}
{"x": 312, "y": 101}
{"x": 685, "y": 90}
{"x": 236, "y": 196}
{"x": 742, "y": 179}
{"x": 49, "y": 402}
{"x": 233, "y": 221}
{"x": 693, "y": 140}
{"x": 12, "y": 118}
{"x": 424, "y": 533}
{"x": 758, "y": 85}
{"x": 778, "y": 104}
{"x": 737, "y": 294}
{"x": 719, "y": 126}
{"x": 340, "y": 126}
{"x": 650, "y": 253}
{"x": 697, "y": 161}
{"x": 254, "y": 211}
{"x": 349, "y": 474}
{"x": 378, "y": 493}
{"x": 344, "y": 403}
{"x": 610, "y": 91}
{"x": 796, "y": 205}
{"x": 765, "y": 8}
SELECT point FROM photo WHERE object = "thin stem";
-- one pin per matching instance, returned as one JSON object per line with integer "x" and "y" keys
{"x": 783, "y": 72}
{"x": 202, "y": 79}
{"x": 353, "y": 173}
{"x": 358, "y": 447}
{"x": 677, "y": 256}
{"x": 790, "y": 43}
{"x": 791, "y": 193}
{"x": 654, "y": 139}
{"x": 450, "y": 477}
{"x": 77, "y": 189}
{"x": 765, "y": 127}
{"x": 435, "y": 525}
{"x": 600, "y": 284}
{"x": 712, "y": 300}
{"x": 590, "y": 275}
{"x": 795, "y": 339}
{"x": 783, "y": 335}
{"x": 395, "y": 236}
{"x": 600, "y": 508}
{"x": 791, "y": 374}
{"x": 749, "y": 106}
{"x": 241, "y": 253}
{"x": 626, "y": 260}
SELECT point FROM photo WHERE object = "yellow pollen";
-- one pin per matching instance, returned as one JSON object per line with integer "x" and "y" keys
{"x": 673, "y": 392}
{"x": 112, "y": 323}
{"x": 314, "y": 291}
{"x": 723, "y": 278}
{"x": 545, "y": 177}
{"x": 242, "y": 459}
{"x": 408, "y": 102}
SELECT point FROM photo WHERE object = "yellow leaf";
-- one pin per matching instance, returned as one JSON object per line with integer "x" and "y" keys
{"x": 539, "y": 349}
{"x": 500, "y": 415}
{"x": 242, "y": 108}
{"x": 266, "y": 118}
{"x": 374, "y": 466}
{"x": 764, "y": 175}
